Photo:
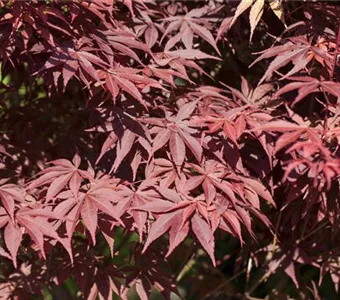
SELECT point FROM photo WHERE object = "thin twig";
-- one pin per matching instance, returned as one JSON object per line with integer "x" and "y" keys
{"x": 312, "y": 232}
{"x": 267, "y": 274}
{"x": 275, "y": 235}
{"x": 336, "y": 51}
{"x": 224, "y": 283}
{"x": 187, "y": 262}
{"x": 255, "y": 286}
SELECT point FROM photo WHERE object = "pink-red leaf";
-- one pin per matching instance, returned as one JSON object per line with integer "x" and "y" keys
{"x": 204, "y": 234}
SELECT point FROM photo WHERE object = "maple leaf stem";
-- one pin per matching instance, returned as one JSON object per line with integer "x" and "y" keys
{"x": 130, "y": 116}
{"x": 325, "y": 94}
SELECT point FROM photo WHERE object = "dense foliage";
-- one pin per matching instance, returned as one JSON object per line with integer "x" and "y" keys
{"x": 183, "y": 148}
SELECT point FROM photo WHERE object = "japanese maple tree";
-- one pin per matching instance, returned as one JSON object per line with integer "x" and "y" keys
{"x": 185, "y": 149}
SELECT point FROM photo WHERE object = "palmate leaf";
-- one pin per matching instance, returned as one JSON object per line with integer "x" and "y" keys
{"x": 61, "y": 174}
{"x": 121, "y": 41}
{"x": 298, "y": 50}
{"x": 72, "y": 62}
{"x": 9, "y": 195}
{"x": 176, "y": 214}
{"x": 101, "y": 196}
{"x": 309, "y": 85}
{"x": 127, "y": 80}
{"x": 36, "y": 223}
{"x": 124, "y": 133}
{"x": 256, "y": 11}
{"x": 178, "y": 133}
{"x": 189, "y": 25}
{"x": 255, "y": 16}
{"x": 181, "y": 60}
{"x": 146, "y": 26}
{"x": 180, "y": 213}
{"x": 292, "y": 132}
{"x": 255, "y": 97}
